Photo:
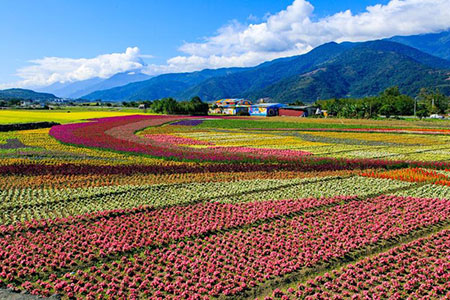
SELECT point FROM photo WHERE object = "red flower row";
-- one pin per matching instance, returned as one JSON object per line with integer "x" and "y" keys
{"x": 232, "y": 262}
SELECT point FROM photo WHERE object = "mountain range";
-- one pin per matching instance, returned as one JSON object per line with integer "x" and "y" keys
{"x": 330, "y": 70}
{"x": 366, "y": 69}
{"x": 166, "y": 85}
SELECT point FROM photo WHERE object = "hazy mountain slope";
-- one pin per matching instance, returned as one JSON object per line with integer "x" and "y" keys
{"x": 69, "y": 88}
{"x": 116, "y": 80}
{"x": 165, "y": 85}
{"x": 80, "y": 88}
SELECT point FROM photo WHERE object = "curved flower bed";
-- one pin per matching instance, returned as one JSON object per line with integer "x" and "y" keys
{"x": 118, "y": 134}
{"x": 187, "y": 123}
{"x": 282, "y": 154}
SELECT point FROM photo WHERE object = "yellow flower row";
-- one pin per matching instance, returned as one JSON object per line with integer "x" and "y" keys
{"x": 386, "y": 137}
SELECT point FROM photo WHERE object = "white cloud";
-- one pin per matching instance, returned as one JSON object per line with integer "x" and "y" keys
{"x": 49, "y": 70}
{"x": 292, "y": 32}
{"x": 289, "y": 32}
{"x": 253, "y": 18}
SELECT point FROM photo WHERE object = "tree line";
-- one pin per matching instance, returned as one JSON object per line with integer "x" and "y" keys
{"x": 389, "y": 103}
{"x": 170, "y": 106}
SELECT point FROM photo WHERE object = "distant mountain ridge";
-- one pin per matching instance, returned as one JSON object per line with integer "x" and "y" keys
{"x": 25, "y": 94}
{"x": 77, "y": 89}
{"x": 330, "y": 70}
{"x": 437, "y": 44}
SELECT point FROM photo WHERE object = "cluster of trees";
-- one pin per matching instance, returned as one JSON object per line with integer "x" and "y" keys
{"x": 432, "y": 103}
{"x": 170, "y": 106}
{"x": 389, "y": 103}
{"x": 10, "y": 102}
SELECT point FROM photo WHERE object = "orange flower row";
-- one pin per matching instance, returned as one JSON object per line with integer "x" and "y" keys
{"x": 412, "y": 175}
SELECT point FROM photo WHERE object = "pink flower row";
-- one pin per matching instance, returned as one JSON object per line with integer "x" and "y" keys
{"x": 30, "y": 248}
{"x": 284, "y": 154}
{"x": 174, "y": 140}
{"x": 418, "y": 270}
{"x": 231, "y": 262}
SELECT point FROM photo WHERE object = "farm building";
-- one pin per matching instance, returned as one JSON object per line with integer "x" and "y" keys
{"x": 232, "y": 102}
{"x": 265, "y": 109}
{"x": 232, "y": 106}
{"x": 235, "y": 110}
{"x": 297, "y": 111}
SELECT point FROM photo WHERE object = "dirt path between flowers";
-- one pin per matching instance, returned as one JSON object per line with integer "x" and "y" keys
{"x": 9, "y": 295}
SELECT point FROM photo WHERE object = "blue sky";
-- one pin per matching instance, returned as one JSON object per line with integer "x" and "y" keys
{"x": 32, "y": 30}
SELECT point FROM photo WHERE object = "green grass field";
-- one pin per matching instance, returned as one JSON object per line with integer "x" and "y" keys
{"x": 305, "y": 123}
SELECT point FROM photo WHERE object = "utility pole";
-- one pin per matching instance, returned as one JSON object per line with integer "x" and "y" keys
{"x": 415, "y": 106}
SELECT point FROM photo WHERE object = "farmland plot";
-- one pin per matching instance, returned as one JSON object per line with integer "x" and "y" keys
{"x": 162, "y": 207}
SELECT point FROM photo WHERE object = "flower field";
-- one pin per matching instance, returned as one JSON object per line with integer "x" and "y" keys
{"x": 21, "y": 116}
{"x": 180, "y": 207}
